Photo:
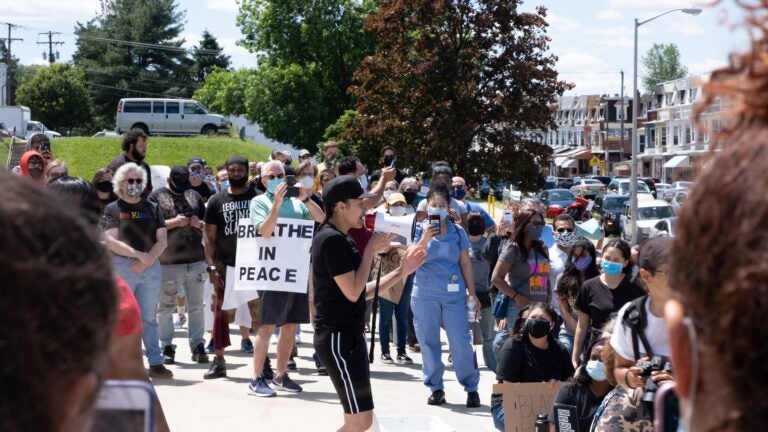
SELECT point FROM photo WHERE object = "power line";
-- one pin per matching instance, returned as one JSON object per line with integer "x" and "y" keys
{"x": 9, "y": 59}
{"x": 152, "y": 46}
{"x": 51, "y": 43}
{"x": 130, "y": 90}
{"x": 132, "y": 77}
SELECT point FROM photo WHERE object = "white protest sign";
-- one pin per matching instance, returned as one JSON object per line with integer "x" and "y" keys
{"x": 280, "y": 263}
{"x": 523, "y": 401}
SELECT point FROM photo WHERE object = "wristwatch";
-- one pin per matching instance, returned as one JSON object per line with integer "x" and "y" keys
{"x": 210, "y": 269}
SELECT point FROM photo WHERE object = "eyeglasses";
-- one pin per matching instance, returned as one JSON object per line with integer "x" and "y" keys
{"x": 562, "y": 230}
{"x": 272, "y": 177}
{"x": 134, "y": 181}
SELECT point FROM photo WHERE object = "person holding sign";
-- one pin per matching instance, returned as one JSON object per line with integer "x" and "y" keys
{"x": 339, "y": 275}
{"x": 282, "y": 309}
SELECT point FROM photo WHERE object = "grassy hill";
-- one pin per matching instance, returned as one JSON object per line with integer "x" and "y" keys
{"x": 84, "y": 156}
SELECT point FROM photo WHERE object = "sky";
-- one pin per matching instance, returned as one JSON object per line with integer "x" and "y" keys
{"x": 593, "y": 39}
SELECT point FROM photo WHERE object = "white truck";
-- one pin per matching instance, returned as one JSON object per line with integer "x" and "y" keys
{"x": 35, "y": 127}
{"x": 16, "y": 117}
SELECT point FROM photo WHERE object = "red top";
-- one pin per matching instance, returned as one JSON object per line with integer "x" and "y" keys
{"x": 128, "y": 312}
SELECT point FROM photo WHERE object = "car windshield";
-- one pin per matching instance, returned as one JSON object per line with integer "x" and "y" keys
{"x": 560, "y": 196}
{"x": 641, "y": 187}
{"x": 591, "y": 181}
{"x": 660, "y": 212}
{"x": 614, "y": 204}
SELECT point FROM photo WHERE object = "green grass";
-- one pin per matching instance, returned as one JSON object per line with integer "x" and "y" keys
{"x": 5, "y": 144}
{"x": 84, "y": 156}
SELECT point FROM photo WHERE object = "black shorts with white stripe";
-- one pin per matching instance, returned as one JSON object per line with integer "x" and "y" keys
{"x": 344, "y": 355}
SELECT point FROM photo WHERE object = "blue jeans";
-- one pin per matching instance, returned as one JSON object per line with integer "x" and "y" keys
{"x": 401, "y": 317}
{"x": 487, "y": 321}
{"x": 566, "y": 339}
{"x": 498, "y": 341}
{"x": 497, "y": 412}
{"x": 428, "y": 313}
{"x": 179, "y": 278}
{"x": 146, "y": 289}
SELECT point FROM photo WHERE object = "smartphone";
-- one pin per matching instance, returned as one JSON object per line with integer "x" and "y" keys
{"x": 666, "y": 407}
{"x": 293, "y": 190}
{"x": 507, "y": 216}
{"x": 434, "y": 222}
{"x": 125, "y": 406}
{"x": 45, "y": 146}
{"x": 394, "y": 163}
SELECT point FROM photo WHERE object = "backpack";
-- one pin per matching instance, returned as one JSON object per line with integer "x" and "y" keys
{"x": 636, "y": 318}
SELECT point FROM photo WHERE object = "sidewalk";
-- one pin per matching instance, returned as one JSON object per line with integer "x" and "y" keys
{"x": 192, "y": 404}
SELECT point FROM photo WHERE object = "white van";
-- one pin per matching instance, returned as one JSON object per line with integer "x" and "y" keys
{"x": 168, "y": 117}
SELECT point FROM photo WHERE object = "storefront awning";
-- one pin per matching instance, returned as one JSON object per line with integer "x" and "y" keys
{"x": 582, "y": 153}
{"x": 679, "y": 161}
{"x": 560, "y": 160}
{"x": 561, "y": 150}
{"x": 570, "y": 163}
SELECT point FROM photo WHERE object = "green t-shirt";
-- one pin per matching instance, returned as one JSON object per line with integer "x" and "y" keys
{"x": 291, "y": 208}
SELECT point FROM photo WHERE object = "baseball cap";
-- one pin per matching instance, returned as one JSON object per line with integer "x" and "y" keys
{"x": 396, "y": 198}
{"x": 303, "y": 152}
{"x": 343, "y": 188}
{"x": 196, "y": 161}
{"x": 237, "y": 159}
{"x": 179, "y": 178}
{"x": 653, "y": 252}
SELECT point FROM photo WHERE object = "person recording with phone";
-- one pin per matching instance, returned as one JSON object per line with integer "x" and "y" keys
{"x": 388, "y": 159}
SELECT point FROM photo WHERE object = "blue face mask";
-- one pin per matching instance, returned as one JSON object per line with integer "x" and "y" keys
{"x": 534, "y": 231}
{"x": 432, "y": 211}
{"x": 273, "y": 184}
{"x": 458, "y": 193}
{"x": 581, "y": 264}
{"x": 224, "y": 185}
{"x": 611, "y": 268}
{"x": 596, "y": 370}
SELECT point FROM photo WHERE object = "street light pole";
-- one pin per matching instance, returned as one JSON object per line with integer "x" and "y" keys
{"x": 635, "y": 146}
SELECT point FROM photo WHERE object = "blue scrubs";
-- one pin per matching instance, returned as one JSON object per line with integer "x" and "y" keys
{"x": 439, "y": 297}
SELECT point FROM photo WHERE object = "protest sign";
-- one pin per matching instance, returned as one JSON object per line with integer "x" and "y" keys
{"x": 523, "y": 401}
{"x": 566, "y": 418}
{"x": 280, "y": 263}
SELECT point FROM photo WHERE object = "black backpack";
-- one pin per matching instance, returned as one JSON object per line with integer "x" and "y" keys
{"x": 636, "y": 318}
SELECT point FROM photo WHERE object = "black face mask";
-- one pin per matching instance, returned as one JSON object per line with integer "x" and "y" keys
{"x": 238, "y": 182}
{"x": 475, "y": 229}
{"x": 537, "y": 328}
{"x": 104, "y": 186}
{"x": 388, "y": 160}
{"x": 409, "y": 196}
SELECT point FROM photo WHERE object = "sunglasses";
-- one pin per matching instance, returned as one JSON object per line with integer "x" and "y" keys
{"x": 272, "y": 177}
{"x": 134, "y": 181}
{"x": 563, "y": 230}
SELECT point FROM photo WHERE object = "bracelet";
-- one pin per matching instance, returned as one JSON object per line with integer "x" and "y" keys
{"x": 626, "y": 379}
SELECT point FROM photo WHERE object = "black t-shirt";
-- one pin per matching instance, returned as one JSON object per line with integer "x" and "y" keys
{"x": 580, "y": 396}
{"x": 520, "y": 361}
{"x": 399, "y": 176}
{"x": 225, "y": 211}
{"x": 334, "y": 253}
{"x": 205, "y": 191}
{"x": 185, "y": 244}
{"x": 136, "y": 224}
{"x": 122, "y": 160}
{"x": 599, "y": 302}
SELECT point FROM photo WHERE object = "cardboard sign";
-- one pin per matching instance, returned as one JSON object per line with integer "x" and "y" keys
{"x": 280, "y": 263}
{"x": 390, "y": 263}
{"x": 523, "y": 401}
{"x": 566, "y": 418}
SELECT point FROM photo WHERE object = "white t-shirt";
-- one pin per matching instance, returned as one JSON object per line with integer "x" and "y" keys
{"x": 457, "y": 205}
{"x": 557, "y": 260}
{"x": 655, "y": 332}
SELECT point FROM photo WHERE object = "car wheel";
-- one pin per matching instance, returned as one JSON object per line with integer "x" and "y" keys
{"x": 210, "y": 130}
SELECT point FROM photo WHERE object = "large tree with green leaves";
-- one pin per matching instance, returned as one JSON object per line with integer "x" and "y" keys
{"x": 308, "y": 51}
{"x": 458, "y": 80}
{"x": 224, "y": 91}
{"x": 208, "y": 55}
{"x": 662, "y": 63}
{"x": 132, "y": 48}
{"x": 58, "y": 97}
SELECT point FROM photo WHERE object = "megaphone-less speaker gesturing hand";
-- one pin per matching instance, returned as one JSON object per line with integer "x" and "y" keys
{"x": 385, "y": 223}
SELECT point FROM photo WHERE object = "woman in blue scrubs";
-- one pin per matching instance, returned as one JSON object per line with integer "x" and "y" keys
{"x": 442, "y": 288}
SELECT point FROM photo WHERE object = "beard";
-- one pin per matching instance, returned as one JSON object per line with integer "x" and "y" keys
{"x": 136, "y": 155}
{"x": 238, "y": 182}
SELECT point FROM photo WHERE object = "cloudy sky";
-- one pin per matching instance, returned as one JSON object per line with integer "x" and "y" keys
{"x": 592, "y": 38}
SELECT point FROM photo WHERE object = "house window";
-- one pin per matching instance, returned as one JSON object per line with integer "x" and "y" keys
{"x": 676, "y": 135}
{"x": 688, "y": 139}
{"x": 670, "y": 98}
{"x": 692, "y": 94}
{"x": 663, "y": 137}
{"x": 681, "y": 96}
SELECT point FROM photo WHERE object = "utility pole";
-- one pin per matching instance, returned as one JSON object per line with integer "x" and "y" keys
{"x": 51, "y": 43}
{"x": 623, "y": 116}
{"x": 9, "y": 76}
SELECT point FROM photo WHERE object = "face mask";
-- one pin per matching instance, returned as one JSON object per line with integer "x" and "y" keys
{"x": 273, "y": 184}
{"x": 134, "y": 190}
{"x": 307, "y": 182}
{"x": 104, "y": 186}
{"x": 537, "y": 328}
{"x": 387, "y": 194}
{"x": 238, "y": 182}
{"x": 534, "y": 231}
{"x": 224, "y": 185}
{"x": 458, "y": 193}
{"x": 138, "y": 157}
{"x": 611, "y": 268}
{"x": 397, "y": 211}
{"x": 475, "y": 229}
{"x": 581, "y": 264}
{"x": 330, "y": 159}
{"x": 388, "y": 159}
{"x": 196, "y": 174}
{"x": 409, "y": 197}
{"x": 433, "y": 211}
{"x": 565, "y": 239}
{"x": 596, "y": 370}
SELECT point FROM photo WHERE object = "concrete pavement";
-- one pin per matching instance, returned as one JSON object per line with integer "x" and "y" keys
{"x": 193, "y": 404}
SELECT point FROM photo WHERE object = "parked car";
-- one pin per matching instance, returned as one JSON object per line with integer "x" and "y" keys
{"x": 674, "y": 187}
{"x": 678, "y": 200}
{"x": 4, "y": 132}
{"x": 168, "y": 117}
{"x": 665, "y": 227}
{"x": 621, "y": 186}
{"x": 651, "y": 184}
{"x": 607, "y": 211}
{"x": 106, "y": 133}
{"x": 550, "y": 183}
{"x": 602, "y": 179}
{"x": 556, "y": 200}
{"x": 498, "y": 189}
{"x": 566, "y": 182}
{"x": 588, "y": 188}
{"x": 649, "y": 213}
{"x": 660, "y": 188}
{"x": 34, "y": 127}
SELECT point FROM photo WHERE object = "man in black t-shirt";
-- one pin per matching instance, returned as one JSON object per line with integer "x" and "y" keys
{"x": 197, "y": 176}
{"x": 182, "y": 263}
{"x": 134, "y": 150}
{"x": 388, "y": 155}
{"x": 221, "y": 219}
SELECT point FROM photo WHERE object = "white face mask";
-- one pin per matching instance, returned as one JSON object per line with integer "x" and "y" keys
{"x": 307, "y": 182}
{"x": 387, "y": 194}
{"x": 397, "y": 211}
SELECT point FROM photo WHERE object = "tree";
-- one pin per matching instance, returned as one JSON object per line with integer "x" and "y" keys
{"x": 662, "y": 63}
{"x": 133, "y": 49}
{"x": 224, "y": 92}
{"x": 458, "y": 80}
{"x": 308, "y": 51}
{"x": 206, "y": 58}
{"x": 58, "y": 97}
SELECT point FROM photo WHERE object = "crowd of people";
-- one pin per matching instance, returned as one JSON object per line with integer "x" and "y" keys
{"x": 93, "y": 269}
